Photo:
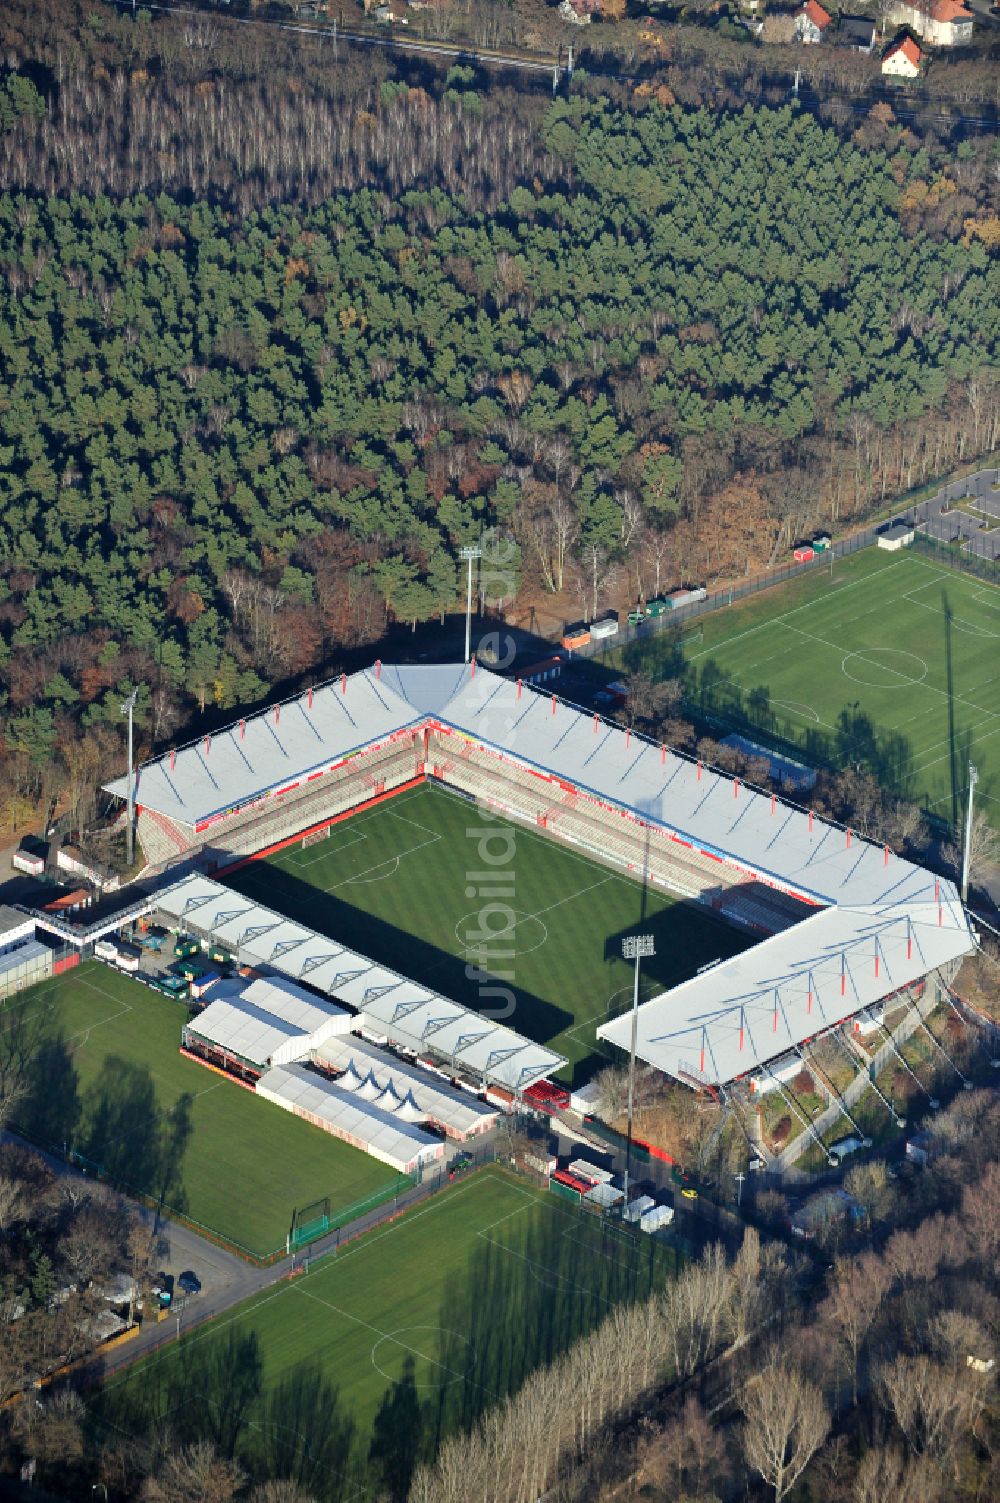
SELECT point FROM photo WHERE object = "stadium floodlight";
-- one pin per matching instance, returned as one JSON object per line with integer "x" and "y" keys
{"x": 634, "y": 947}
{"x": 469, "y": 554}
{"x": 967, "y": 843}
{"x": 128, "y": 706}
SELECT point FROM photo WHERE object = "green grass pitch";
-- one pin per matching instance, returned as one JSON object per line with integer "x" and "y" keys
{"x": 403, "y": 882}
{"x": 105, "y": 1078}
{"x": 889, "y": 659}
{"x": 457, "y": 1302}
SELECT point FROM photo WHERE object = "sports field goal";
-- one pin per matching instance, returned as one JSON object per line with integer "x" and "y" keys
{"x": 315, "y": 836}
{"x": 308, "y": 1223}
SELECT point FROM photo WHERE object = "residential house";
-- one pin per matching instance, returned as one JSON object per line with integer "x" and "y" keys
{"x": 904, "y": 59}
{"x": 857, "y": 32}
{"x": 392, "y": 15}
{"x": 943, "y": 23}
{"x": 812, "y": 23}
{"x": 579, "y": 11}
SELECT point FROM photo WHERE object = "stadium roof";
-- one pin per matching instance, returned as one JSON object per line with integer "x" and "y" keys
{"x": 731, "y": 1019}
{"x": 409, "y": 1014}
{"x": 870, "y": 890}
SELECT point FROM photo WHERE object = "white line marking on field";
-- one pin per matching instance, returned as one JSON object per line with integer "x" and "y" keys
{"x": 773, "y": 620}
{"x": 388, "y": 1336}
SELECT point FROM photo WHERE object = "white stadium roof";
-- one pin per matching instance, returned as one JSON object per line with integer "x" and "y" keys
{"x": 407, "y": 1013}
{"x": 868, "y": 893}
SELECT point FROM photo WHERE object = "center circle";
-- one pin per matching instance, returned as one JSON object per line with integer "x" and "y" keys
{"x": 399, "y": 1339}
{"x": 497, "y": 925}
{"x": 897, "y": 664}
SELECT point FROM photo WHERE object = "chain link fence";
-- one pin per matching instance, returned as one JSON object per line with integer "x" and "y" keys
{"x": 685, "y": 614}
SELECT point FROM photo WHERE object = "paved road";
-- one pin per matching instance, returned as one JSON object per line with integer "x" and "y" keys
{"x": 941, "y": 520}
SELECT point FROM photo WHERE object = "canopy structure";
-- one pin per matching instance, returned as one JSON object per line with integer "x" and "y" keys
{"x": 390, "y": 1005}
{"x": 417, "y": 1092}
{"x": 385, "y": 1135}
{"x": 248, "y": 1032}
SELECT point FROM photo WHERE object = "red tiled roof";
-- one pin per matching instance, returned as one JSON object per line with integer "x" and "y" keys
{"x": 948, "y": 10}
{"x": 908, "y": 47}
{"x": 818, "y": 15}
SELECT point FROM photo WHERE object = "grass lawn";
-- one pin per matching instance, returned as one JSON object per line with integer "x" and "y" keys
{"x": 889, "y": 659}
{"x": 429, "y": 1320}
{"x": 402, "y": 883}
{"x": 105, "y": 1078}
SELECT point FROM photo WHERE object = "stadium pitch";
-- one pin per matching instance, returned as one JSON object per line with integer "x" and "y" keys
{"x": 105, "y": 1080}
{"x": 431, "y": 1319}
{"x": 886, "y": 659}
{"x": 406, "y": 883}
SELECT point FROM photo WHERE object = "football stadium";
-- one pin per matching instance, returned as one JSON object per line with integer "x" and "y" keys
{"x": 839, "y": 924}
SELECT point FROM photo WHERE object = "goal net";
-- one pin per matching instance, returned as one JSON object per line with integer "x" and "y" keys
{"x": 309, "y": 1222}
{"x": 315, "y": 836}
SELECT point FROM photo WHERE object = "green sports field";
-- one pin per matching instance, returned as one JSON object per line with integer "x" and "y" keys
{"x": 426, "y": 1321}
{"x": 889, "y": 660}
{"x": 105, "y": 1079}
{"x": 404, "y": 884}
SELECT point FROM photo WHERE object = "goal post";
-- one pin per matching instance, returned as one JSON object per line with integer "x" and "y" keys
{"x": 315, "y": 836}
{"x": 308, "y": 1223}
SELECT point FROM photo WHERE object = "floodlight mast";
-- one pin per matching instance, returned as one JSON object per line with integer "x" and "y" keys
{"x": 469, "y": 553}
{"x": 967, "y": 843}
{"x": 128, "y": 707}
{"x": 634, "y": 947}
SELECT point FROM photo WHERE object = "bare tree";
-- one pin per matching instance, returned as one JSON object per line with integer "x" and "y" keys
{"x": 884, "y": 1472}
{"x": 933, "y": 1403}
{"x": 984, "y": 849}
{"x": 197, "y": 1474}
{"x": 786, "y": 1423}
{"x": 854, "y": 1298}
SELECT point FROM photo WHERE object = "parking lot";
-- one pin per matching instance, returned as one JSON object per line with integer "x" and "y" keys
{"x": 943, "y": 520}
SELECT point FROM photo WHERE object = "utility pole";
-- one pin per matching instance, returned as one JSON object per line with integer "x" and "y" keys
{"x": 470, "y": 553}
{"x": 634, "y": 947}
{"x": 967, "y": 843}
{"x": 128, "y": 707}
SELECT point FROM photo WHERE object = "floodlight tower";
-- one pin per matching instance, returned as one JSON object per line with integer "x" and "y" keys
{"x": 967, "y": 843}
{"x": 634, "y": 947}
{"x": 469, "y": 553}
{"x": 128, "y": 706}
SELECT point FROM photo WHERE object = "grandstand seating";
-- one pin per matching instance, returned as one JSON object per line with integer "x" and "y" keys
{"x": 610, "y": 836}
{"x": 254, "y": 829}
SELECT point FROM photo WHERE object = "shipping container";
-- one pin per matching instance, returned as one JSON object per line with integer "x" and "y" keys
{"x": 577, "y": 635}
{"x": 606, "y": 627}
{"x": 804, "y": 554}
{"x": 657, "y": 607}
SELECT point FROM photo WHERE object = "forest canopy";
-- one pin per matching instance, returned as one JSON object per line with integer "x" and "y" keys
{"x": 231, "y": 443}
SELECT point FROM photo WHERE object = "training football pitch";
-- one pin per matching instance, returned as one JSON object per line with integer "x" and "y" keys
{"x": 104, "y": 1078}
{"x": 886, "y": 659}
{"x": 410, "y": 884}
{"x": 426, "y": 1321}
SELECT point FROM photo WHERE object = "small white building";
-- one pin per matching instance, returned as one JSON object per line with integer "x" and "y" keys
{"x": 897, "y": 535}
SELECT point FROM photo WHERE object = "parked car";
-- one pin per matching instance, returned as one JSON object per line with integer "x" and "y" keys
{"x": 188, "y": 1282}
